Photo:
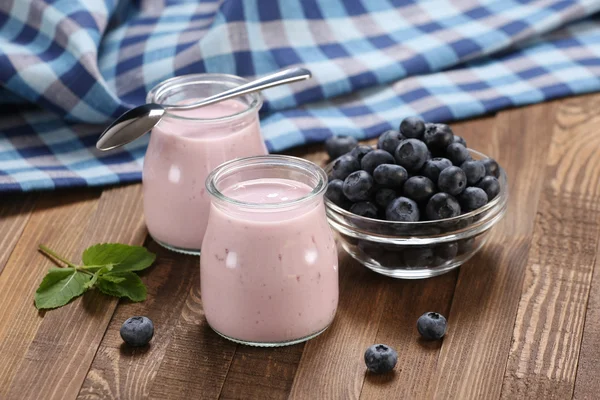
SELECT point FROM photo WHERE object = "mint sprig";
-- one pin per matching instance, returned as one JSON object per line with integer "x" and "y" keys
{"x": 109, "y": 267}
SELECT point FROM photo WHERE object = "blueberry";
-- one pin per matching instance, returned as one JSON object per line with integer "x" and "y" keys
{"x": 344, "y": 166}
{"x": 359, "y": 151}
{"x": 419, "y": 188}
{"x": 412, "y": 127}
{"x": 472, "y": 198}
{"x": 452, "y": 180}
{"x": 491, "y": 167}
{"x": 384, "y": 196}
{"x": 335, "y": 193}
{"x": 389, "y": 140}
{"x": 438, "y": 136}
{"x": 418, "y": 257}
{"x": 137, "y": 331}
{"x": 433, "y": 167}
{"x": 380, "y": 358}
{"x": 457, "y": 153}
{"x": 402, "y": 209}
{"x": 339, "y": 145}
{"x": 442, "y": 205}
{"x": 445, "y": 252}
{"x": 390, "y": 175}
{"x": 411, "y": 154}
{"x": 358, "y": 186}
{"x": 364, "y": 209}
{"x": 466, "y": 245}
{"x": 375, "y": 158}
{"x": 490, "y": 185}
{"x": 474, "y": 171}
{"x": 432, "y": 326}
{"x": 459, "y": 139}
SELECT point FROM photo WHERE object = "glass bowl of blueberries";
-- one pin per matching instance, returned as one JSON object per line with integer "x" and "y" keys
{"x": 418, "y": 205}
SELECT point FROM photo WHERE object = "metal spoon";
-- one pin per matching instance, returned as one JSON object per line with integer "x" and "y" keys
{"x": 139, "y": 120}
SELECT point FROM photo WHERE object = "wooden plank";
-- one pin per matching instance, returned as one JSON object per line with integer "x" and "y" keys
{"x": 549, "y": 326}
{"x": 66, "y": 341}
{"x": 196, "y": 361}
{"x": 57, "y": 222}
{"x": 417, "y": 359}
{"x": 14, "y": 214}
{"x": 119, "y": 372}
{"x": 587, "y": 384}
{"x": 473, "y": 356}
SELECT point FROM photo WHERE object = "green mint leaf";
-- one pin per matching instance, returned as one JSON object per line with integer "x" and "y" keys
{"x": 59, "y": 287}
{"x": 113, "y": 279}
{"x": 131, "y": 286}
{"x": 121, "y": 256}
{"x": 96, "y": 274}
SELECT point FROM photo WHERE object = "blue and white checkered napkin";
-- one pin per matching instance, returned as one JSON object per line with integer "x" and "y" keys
{"x": 68, "y": 67}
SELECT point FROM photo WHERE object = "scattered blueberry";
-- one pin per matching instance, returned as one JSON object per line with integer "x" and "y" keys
{"x": 438, "y": 136}
{"x": 452, "y": 180}
{"x": 459, "y": 139}
{"x": 389, "y": 140}
{"x": 359, "y": 151}
{"x": 491, "y": 167}
{"x": 402, "y": 209}
{"x": 344, "y": 166}
{"x": 137, "y": 331}
{"x": 338, "y": 145}
{"x": 433, "y": 167}
{"x": 472, "y": 198}
{"x": 335, "y": 192}
{"x": 411, "y": 154}
{"x": 375, "y": 158}
{"x": 442, "y": 205}
{"x": 474, "y": 170}
{"x": 432, "y": 326}
{"x": 358, "y": 186}
{"x": 490, "y": 185}
{"x": 384, "y": 196}
{"x": 364, "y": 209}
{"x": 418, "y": 257}
{"x": 419, "y": 188}
{"x": 390, "y": 175}
{"x": 380, "y": 358}
{"x": 412, "y": 127}
{"x": 457, "y": 153}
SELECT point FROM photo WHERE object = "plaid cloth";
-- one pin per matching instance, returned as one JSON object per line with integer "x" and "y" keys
{"x": 69, "y": 67}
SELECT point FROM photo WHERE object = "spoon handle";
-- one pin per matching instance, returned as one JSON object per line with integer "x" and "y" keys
{"x": 282, "y": 77}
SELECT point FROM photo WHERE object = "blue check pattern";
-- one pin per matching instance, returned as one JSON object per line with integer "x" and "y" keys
{"x": 69, "y": 67}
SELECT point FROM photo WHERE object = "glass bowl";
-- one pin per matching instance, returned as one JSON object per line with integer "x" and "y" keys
{"x": 416, "y": 250}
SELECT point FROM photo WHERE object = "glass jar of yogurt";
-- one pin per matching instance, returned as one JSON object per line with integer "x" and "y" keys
{"x": 186, "y": 146}
{"x": 269, "y": 267}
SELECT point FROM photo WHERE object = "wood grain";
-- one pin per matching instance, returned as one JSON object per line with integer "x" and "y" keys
{"x": 62, "y": 350}
{"x": 119, "y": 372}
{"x": 14, "y": 214}
{"x": 549, "y": 325}
{"x": 196, "y": 361}
{"x": 57, "y": 222}
{"x": 474, "y": 354}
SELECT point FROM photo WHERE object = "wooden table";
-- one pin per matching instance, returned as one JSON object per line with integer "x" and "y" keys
{"x": 524, "y": 314}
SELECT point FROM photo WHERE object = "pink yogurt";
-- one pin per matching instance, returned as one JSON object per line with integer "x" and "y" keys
{"x": 269, "y": 276}
{"x": 181, "y": 154}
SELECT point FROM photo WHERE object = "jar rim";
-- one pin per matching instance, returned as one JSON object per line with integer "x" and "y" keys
{"x": 270, "y": 160}
{"x": 176, "y": 82}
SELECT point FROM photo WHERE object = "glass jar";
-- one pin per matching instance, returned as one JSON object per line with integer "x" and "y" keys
{"x": 269, "y": 267}
{"x": 186, "y": 146}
